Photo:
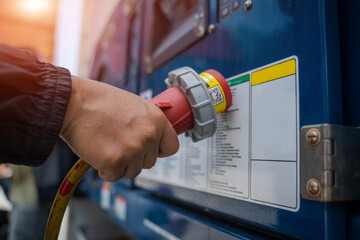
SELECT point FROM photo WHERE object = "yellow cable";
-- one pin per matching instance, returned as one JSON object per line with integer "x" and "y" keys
{"x": 62, "y": 198}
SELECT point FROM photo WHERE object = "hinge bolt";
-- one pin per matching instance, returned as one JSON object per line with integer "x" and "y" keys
{"x": 313, "y": 137}
{"x": 313, "y": 187}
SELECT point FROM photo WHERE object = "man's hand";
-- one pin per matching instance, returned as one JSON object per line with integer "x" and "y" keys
{"x": 116, "y": 132}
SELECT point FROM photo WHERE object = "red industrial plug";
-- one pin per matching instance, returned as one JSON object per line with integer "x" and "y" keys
{"x": 193, "y": 100}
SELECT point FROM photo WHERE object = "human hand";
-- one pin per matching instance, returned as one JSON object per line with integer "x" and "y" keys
{"x": 116, "y": 132}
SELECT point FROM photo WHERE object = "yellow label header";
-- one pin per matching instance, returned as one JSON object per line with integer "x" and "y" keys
{"x": 273, "y": 72}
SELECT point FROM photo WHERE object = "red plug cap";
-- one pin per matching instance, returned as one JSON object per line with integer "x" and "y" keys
{"x": 176, "y": 107}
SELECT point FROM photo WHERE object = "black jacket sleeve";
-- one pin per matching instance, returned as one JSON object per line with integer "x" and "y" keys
{"x": 33, "y": 101}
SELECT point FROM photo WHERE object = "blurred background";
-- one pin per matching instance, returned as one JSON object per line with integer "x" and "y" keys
{"x": 29, "y": 24}
{"x": 64, "y": 33}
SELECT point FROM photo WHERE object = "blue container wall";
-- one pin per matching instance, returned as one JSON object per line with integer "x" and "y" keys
{"x": 270, "y": 31}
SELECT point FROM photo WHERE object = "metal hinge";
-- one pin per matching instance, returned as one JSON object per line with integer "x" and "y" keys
{"x": 330, "y": 163}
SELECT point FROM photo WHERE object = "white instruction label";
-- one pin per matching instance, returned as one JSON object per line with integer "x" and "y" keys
{"x": 253, "y": 155}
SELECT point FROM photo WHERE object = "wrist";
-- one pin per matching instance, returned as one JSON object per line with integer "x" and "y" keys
{"x": 74, "y": 105}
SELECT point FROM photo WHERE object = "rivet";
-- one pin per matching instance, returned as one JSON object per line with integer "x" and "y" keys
{"x": 247, "y": 5}
{"x": 211, "y": 28}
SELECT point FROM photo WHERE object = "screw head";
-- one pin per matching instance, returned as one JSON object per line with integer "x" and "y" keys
{"x": 247, "y": 5}
{"x": 313, "y": 187}
{"x": 211, "y": 28}
{"x": 313, "y": 137}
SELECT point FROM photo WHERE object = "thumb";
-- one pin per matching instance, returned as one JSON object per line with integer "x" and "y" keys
{"x": 169, "y": 142}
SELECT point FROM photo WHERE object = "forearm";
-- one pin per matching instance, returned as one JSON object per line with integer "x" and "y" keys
{"x": 33, "y": 102}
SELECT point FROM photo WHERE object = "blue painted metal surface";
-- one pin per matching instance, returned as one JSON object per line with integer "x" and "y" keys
{"x": 270, "y": 31}
{"x": 149, "y": 218}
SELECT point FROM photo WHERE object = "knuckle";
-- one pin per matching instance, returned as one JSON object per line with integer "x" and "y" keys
{"x": 107, "y": 154}
{"x": 157, "y": 115}
{"x": 149, "y": 132}
{"x": 114, "y": 158}
{"x": 134, "y": 147}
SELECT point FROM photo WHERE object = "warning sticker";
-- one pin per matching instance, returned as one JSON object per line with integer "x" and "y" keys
{"x": 120, "y": 208}
{"x": 105, "y": 195}
{"x": 253, "y": 155}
